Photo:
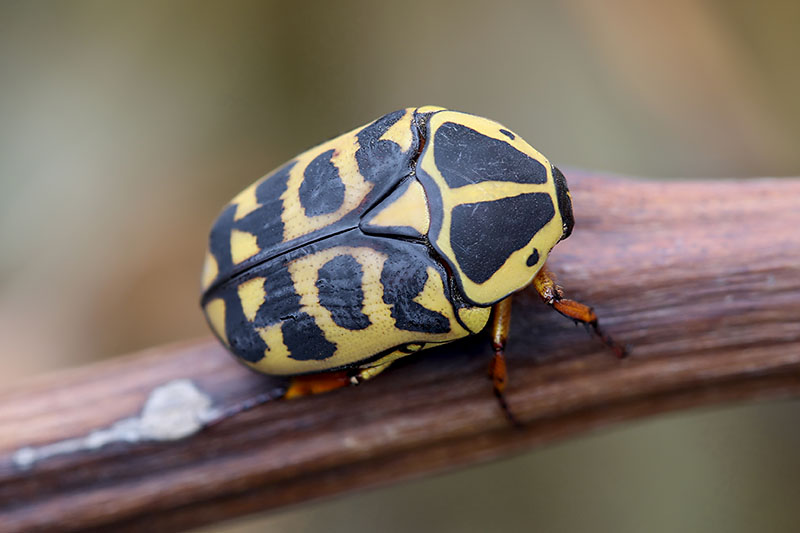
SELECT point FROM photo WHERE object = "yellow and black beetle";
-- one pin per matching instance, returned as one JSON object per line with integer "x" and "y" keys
{"x": 395, "y": 237}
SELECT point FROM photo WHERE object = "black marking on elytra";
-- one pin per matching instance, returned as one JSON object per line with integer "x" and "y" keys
{"x": 301, "y": 335}
{"x": 219, "y": 242}
{"x": 464, "y": 156}
{"x": 508, "y": 134}
{"x": 322, "y": 190}
{"x": 265, "y": 222}
{"x": 339, "y": 285}
{"x": 280, "y": 301}
{"x": 243, "y": 340}
{"x": 533, "y": 258}
{"x": 484, "y": 234}
{"x": 403, "y": 278}
{"x": 269, "y": 191}
{"x": 380, "y": 159}
{"x": 305, "y": 340}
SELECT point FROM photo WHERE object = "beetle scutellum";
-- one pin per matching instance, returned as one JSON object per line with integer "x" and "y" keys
{"x": 395, "y": 237}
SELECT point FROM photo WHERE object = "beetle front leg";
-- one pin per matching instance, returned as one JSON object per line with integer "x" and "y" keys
{"x": 552, "y": 294}
{"x": 501, "y": 324}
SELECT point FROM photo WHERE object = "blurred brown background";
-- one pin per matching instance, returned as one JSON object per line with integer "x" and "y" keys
{"x": 125, "y": 126}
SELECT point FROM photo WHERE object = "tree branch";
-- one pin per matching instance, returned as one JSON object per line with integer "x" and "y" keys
{"x": 701, "y": 279}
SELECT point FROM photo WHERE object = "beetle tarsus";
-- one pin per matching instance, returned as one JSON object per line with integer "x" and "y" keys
{"x": 620, "y": 350}
{"x": 498, "y": 375}
{"x": 553, "y": 295}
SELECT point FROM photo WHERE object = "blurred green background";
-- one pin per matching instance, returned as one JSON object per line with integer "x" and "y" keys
{"x": 125, "y": 126}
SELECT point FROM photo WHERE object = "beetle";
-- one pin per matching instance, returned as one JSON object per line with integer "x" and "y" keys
{"x": 409, "y": 232}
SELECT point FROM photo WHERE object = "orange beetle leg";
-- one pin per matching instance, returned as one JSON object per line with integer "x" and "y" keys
{"x": 551, "y": 293}
{"x": 317, "y": 383}
{"x": 501, "y": 324}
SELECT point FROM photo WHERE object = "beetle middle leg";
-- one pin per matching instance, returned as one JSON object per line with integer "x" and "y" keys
{"x": 552, "y": 294}
{"x": 501, "y": 324}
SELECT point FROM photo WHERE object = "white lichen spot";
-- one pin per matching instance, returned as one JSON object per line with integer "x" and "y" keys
{"x": 173, "y": 411}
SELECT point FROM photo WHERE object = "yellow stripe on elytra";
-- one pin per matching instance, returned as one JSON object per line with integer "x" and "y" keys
{"x": 431, "y": 296}
{"x": 252, "y": 295}
{"x": 244, "y": 245}
{"x": 246, "y": 201}
{"x": 398, "y": 132}
{"x": 275, "y": 353}
{"x": 210, "y": 270}
{"x": 215, "y": 311}
{"x": 475, "y": 318}
{"x": 410, "y": 209}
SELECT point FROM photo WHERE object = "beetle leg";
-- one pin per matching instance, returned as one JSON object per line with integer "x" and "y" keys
{"x": 328, "y": 381}
{"x": 552, "y": 294}
{"x": 298, "y": 386}
{"x": 501, "y": 324}
{"x": 317, "y": 383}
{"x": 370, "y": 372}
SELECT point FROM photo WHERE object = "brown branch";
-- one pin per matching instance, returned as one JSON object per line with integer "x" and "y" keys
{"x": 702, "y": 279}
